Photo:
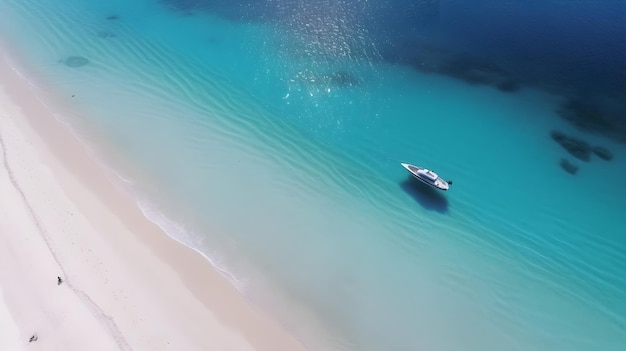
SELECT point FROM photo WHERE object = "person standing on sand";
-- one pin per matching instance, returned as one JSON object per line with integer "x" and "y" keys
{"x": 59, "y": 280}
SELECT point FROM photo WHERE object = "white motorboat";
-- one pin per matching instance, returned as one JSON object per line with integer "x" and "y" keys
{"x": 427, "y": 176}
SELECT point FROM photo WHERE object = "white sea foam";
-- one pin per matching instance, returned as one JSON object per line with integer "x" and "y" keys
{"x": 182, "y": 235}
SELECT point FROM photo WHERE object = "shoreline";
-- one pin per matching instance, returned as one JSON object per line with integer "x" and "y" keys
{"x": 126, "y": 282}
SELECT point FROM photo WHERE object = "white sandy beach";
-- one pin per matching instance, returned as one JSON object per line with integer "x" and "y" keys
{"x": 126, "y": 285}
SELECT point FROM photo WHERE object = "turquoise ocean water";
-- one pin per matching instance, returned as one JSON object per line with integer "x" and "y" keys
{"x": 268, "y": 135}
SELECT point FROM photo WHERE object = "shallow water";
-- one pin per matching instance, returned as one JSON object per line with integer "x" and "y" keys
{"x": 268, "y": 135}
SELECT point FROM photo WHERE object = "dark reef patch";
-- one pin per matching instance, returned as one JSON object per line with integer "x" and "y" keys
{"x": 568, "y": 167}
{"x": 75, "y": 61}
{"x": 508, "y": 86}
{"x": 602, "y": 153}
{"x": 576, "y": 147}
{"x": 593, "y": 117}
{"x": 248, "y": 11}
{"x": 112, "y": 17}
{"x": 472, "y": 70}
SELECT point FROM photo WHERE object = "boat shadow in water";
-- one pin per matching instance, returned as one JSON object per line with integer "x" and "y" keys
{"x": 427, "y": 196}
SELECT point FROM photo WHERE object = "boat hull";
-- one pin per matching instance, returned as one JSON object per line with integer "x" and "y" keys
{"x": 439, "y": 183}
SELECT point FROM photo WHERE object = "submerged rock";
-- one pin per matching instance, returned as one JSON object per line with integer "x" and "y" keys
{"x": 576, "y": 147}
{"x": 472, "y": 70}
{"x": 568, "y": 167}
{"x": 76, "y": 61}
{"x": 592, "y": 118}
{"x": 508, "y": 86}
{"x": 112, "y": 17}
{"x": 469, "y": 71}
{"x": 602, "y": 152}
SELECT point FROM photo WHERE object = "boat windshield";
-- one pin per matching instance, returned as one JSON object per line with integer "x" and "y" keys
{"x": 430, "y": 175}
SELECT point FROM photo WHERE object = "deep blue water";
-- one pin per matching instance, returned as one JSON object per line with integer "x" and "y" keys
{"x": 577, "y": 44}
